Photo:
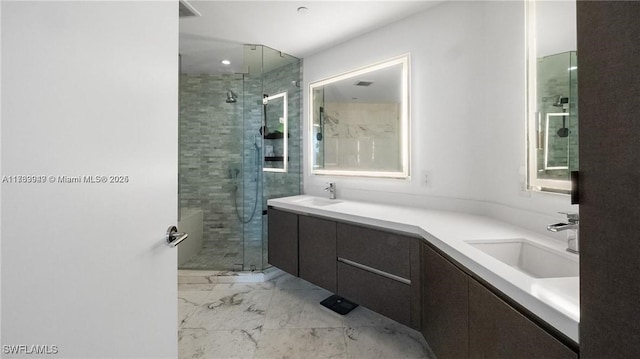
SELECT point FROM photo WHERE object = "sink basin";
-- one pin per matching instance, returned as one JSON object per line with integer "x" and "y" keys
{"x": 317, "y": 201}
{"x": 529, "y": 257}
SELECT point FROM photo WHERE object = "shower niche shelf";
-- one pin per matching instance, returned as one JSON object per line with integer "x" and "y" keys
{"x": 275, "y": 136}
{"x": 274, "y": 158}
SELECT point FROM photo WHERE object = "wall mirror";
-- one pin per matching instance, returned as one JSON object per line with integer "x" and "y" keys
{"x": 359, "y": 122}
{"x": 552, "y": 94}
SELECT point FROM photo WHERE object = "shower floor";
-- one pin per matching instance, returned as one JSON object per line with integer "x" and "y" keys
{"x": 228, "y": 256}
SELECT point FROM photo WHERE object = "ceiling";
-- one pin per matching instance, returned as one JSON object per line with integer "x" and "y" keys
{"x": 224, "y": 26}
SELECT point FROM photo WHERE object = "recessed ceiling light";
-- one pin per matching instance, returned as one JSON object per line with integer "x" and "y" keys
{"x": 226, "y": 62}
{"x": 303, "y": 10}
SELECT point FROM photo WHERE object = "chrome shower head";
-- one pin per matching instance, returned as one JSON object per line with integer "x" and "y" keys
{"x": 561, "y": 101}
{"x": 231, "y": 97}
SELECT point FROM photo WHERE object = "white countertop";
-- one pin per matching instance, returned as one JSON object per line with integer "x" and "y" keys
{"x": 555, "y": 300}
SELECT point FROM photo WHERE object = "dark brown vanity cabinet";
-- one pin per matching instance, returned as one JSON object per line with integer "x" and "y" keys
{"x": 496, "y": 330}
{"x": 317, "y": 251}
{"x": 461, "y": 318}
{"x": 378, "y": 270}
{"x": 445, "y": 306}
{"x": 283, "y": 240}
{"x": 408, "y": 280}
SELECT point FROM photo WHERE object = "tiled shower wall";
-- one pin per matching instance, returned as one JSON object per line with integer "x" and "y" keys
{"x": 287, "y": 78}
{"x": 218, "y": 155}
{"x": 210, "y": 152}
{"x": 272, "y": 184}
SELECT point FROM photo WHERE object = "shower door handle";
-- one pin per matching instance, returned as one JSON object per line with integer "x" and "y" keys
{"x": 174, "y": 237}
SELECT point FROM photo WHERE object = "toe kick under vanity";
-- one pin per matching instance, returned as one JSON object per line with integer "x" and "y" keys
{"x": 424, "y": 269}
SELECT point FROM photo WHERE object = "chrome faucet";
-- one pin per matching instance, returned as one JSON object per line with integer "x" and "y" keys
{"x": 573, "y": 230}
{"x": 332, "y": 190}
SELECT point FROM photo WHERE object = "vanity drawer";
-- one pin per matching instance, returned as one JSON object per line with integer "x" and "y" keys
{"x": 384, "y": 251}
{"x": 382, "y": 295}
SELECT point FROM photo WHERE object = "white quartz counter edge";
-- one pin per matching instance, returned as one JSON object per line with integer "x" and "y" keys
{"x": 555, "y": 300}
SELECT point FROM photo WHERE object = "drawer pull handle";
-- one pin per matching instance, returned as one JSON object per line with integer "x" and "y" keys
{"x": 375, "y": 271}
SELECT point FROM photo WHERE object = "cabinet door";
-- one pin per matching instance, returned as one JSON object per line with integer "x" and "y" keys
{"x": 496, "y": 330}
{"x": 317, "y": 251}
{"x": 283, "y": 240}
{"x": 609, "y": 197}
{"x": 445, "y": 306}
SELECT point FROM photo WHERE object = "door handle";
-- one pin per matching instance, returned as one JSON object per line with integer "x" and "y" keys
{"x": 174, "y": 237}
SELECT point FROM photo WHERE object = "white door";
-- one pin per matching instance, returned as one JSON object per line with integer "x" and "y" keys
{"x": 89, "y": 94}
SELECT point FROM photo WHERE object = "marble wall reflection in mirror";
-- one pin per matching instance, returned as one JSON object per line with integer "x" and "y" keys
{"x": 359, "y": 121}
{"x": 553, "y": 94}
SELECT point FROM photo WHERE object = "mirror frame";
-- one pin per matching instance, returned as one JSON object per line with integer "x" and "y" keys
{"x": 405, "y": 119}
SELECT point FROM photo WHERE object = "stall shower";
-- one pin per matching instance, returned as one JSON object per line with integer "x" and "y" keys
{"x": 223, "y": 184}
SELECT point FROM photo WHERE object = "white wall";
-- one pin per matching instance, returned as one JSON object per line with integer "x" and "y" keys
{"x": 556, "y": 29}
{"x": 467, "y": 107}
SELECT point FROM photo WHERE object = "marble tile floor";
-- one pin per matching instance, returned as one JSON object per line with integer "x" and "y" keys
{"x": 282, "y": 318}
{"x": 227, "y": 255}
